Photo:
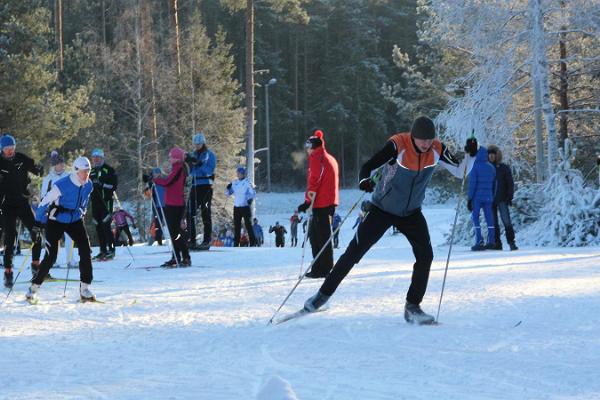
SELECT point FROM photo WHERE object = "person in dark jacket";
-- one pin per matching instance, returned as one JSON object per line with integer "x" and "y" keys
{"x": 505, "y": 187}
{"x": 482, "y": 187}
{"x": 105, "y": 181}
{"x": 294, "y": 221}
{"x": 15, "y": 168}
{"x": 322, "y": 193}
{"x": 279, "y": 234}
{"x": 406, "y": 164}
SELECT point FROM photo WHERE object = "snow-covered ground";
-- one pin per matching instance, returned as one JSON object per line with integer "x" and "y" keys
{"x": 514, "y": 325}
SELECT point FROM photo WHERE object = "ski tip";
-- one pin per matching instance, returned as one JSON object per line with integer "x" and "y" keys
{"x": 517, "y": 324}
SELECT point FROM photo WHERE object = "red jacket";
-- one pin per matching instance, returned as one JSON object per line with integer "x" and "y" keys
{"x": 322, "y": 178}
{"x": 174, "y": 185}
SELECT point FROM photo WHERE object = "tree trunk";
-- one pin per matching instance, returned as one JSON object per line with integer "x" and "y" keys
{"x": 59, "y": 36}
{"x": 175, "y": 16}
{"x": 154, "y": 122}
{"x": 250, "y": 90}
{"x": 564, "y": 85}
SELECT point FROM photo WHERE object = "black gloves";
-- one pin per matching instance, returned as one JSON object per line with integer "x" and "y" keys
{"x": 190, "y": 159}
{"x": 229, "y": 186}
{"x": 250, "y": 201}
{"x": 303, "y": 207}
{"x": 470, "y": 205}
{"x": 367, "y": 185}
{"x": 471, "y": 146}
{"x": 38, "y": 170}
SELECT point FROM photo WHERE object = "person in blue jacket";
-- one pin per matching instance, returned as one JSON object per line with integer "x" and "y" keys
{"x": 61, "y": 211}
{"x": 258, "y": 232}
{"x": 202, "y": 163}
{"x": 482, "y": 188}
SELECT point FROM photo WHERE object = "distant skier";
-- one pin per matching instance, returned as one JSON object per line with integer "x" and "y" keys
{"x": 322, "y": 192}
{"x": 202, "y": 162}
{"x": 120, "y": 218}
{"x": 337, "y": 220}
{"x": 482, "y": 185}
{"x": 279, "y": 234}
{"x": 175, "y": 207}
{"x": 243, "y": 196}
{"x": 156, "y": 194}
{"x": 407, "y": 160}
{"x": 105, "y": 181}
{"x": 505, "y": 186}
{"x": 15, "y": 168}
{"x": 61, "y": 211}
{"x": 258, "y": 232}
{"x": 294, "y": 221}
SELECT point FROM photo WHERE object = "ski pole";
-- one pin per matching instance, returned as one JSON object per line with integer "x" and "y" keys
{"x": 462, "y": 187}
{"x": 126, "y": 246}
{"x": 316, "y": 257}
{"x": 304, "y": 245}
{"x": 18, "y": 273}
{"x": 162, "y": 214}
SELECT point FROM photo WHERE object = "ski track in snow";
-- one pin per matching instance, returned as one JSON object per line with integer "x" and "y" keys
{"x": 201, "y": 333}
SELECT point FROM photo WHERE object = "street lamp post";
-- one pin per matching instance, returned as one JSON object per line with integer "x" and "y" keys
{"x": 272, "y": 81}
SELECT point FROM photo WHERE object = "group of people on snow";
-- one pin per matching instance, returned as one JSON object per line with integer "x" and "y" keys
{"x": 397, "y": 176}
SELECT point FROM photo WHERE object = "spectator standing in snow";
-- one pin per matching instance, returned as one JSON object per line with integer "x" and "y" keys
{"x": 294, "y": 221}
{"x": 322, "y": 192}
{"x": 105, "y": 181}
{"x": 482, "y": 185}
{"x": 279, "y": 234}
{"x": 505, "y": 186}
{"x": 258, "y": 233}
{"x": 243, "y": 195}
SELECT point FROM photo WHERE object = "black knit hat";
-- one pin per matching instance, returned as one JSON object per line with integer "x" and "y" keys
{"x": 423, "y": 128}
{"x": 316, "y": 140}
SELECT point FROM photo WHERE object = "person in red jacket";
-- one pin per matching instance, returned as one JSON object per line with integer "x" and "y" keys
{"x": 322, "y": 193}
{"x": 175, "y": 207}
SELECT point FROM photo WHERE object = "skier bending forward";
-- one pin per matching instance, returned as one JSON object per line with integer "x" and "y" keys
{"x": 62, "y": 210}
{"x": 407, "y": 160}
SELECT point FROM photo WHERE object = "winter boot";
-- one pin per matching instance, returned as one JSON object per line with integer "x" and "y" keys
{"x": 110, "y": 254}
{"x": 172, "y": 263}
{"x": 186, "y": 262}
{"x": 99, "y": 257}
{"x": 315, "y": 302}
{"x": 32, "y": 293}
{"x": 85, "y": 293}
{"x": 478, "y": 247}
{"x": 204, "y": 246}
{"x": 8, "y": 278}
{"x": 490, "y": 246}
{"x": 414, "y": 315}
{"x": 498, "y": 246}
{"x": 513, "y": 246}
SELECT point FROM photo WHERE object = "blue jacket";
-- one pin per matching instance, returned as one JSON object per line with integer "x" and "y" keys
{"x": 70, "y": 205}
{"x": 203, "y": 172}
{"x": 158, "y": 196}
{"x": 258, "y": 231}
{"x": 482, "y": 178}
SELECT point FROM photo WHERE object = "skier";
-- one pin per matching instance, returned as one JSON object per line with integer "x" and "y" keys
{"x": 322, "y": 193}
{"x": 505, "y": 186}
{"x": 482, "y": 185}
{"x": 279, "y": 234}
{"x": 61, "y": 211}
{"x": 58, "y": 171}
{"x": 258, "y": 232}
{"x": 175, "y": 207}
{"x": 156, "y": 194}
{"x": 294, "y": 221}
{"x": 120, "y": 218}
{"x": 105, "y": 182}
{"x": 407, "y": 160}
{"x": 334, "y": 225}
{"x": 202, "y": 162}
{"x": 359, "y": 219}
{"x": 14, "y": 203}
{"x": 243, "y": 196}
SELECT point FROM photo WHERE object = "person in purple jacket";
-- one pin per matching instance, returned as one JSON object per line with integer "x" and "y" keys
{"x": 120, "y": 218}
{"x": 482, "y": 188}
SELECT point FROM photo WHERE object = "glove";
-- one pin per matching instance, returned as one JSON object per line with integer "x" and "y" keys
{"x": 303, "y": 207}
{"x": 38, "y": 169}
{"x": 229, "y": 186}
{"x": 190, "y": 159}
{"x": 367, "y": 185}
{"x": 470, "y": 205}
{"x": 471, "y": 147}
{"x": 250, "y": 201}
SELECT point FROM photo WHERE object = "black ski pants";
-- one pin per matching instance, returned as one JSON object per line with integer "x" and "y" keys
{"x": 25, "y": 214}
{"x": 174, "y": 216}
{"x": 244, "y": 213}
{"x": 102, "y": 218}
{"x": 54, "y": 232}
{"x": 319, "y": 233}
{"x": 375, "y": 224}
{"x": 200, "y": 196}
{"x": 124, "y": 228}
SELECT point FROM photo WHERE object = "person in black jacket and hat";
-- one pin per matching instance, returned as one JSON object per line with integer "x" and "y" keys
{"x": 505, "y": 187}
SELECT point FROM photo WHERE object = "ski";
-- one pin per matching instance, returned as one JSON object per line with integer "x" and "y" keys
{"x": 148, "y": 268}
{"x": 33, "y": 302}
{"x": 92, "y": 300}
{"x": 300, "y": 313}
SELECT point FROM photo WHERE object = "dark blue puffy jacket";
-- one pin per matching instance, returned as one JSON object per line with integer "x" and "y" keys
{"x": 482, "y": 178}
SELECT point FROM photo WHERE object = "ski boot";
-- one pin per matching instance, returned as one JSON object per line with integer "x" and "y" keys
{"x": 172, "y": 263}
{"x": 497, "y": 246}
{"x": 478, "y": 247}
{"x": 85, "y": 294}
{"x": 8, "y": 278}
{"x": 314, "y": 275}
{"x": 99, "y": 257}
{"x": 490, "y": 246}
{"x": 414, "y": 315}
{"x": 32, "y": 294}
{"x": 186, "y": 262}
{"x": 315, "y": 302}
{"x": 110, "y": 255}
{"x": 513, "y": 246}
{"x": 204, "y": 246}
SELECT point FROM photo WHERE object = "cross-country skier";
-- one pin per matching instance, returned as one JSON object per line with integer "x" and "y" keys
{"x": 61, "y": 211}
{"x": 258, "y": 232}
{"x": 280, "y": 232}
{"x": 323, "y": 191}
{"x": 408, "y": 160}
{"x": 202, "y": 162}
{"x": 120, "y": 217}
{"x": 175, "y": 207}
{"x": 294, "y": 221}
{"x": 243, "y": 196}
{"x": 14, "y": 203}
{"x": 105, "y": 181}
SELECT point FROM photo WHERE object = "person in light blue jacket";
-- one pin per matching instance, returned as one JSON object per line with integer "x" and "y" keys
{"x": 243, "y": 196}
{"x": 482, "y": 188}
